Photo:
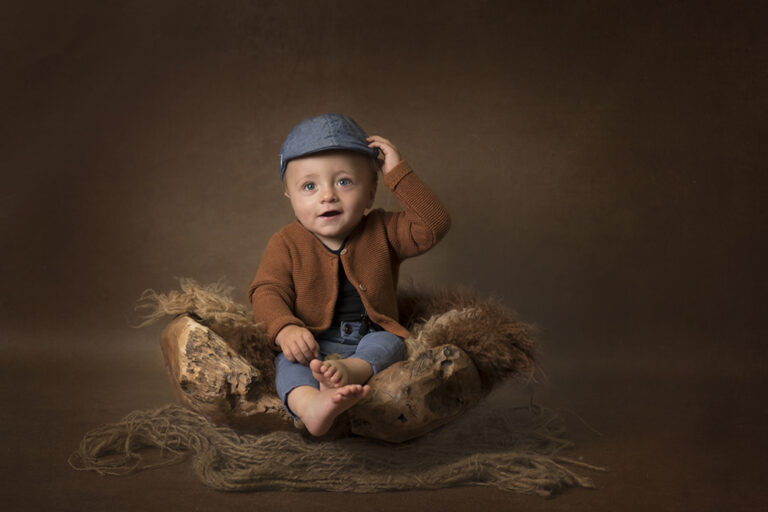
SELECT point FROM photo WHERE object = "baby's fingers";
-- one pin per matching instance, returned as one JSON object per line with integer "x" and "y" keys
{"x": 308, "y": 348}
{"x": 315, "y": 348}
{"x": 377, "y": 141}
{"x": 301, "y": 355}
{"x": 290, "y": 354}
{"x": 391, "y": 154}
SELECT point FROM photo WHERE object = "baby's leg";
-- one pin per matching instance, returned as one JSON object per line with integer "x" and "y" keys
{"x": 319, "y": 408}
{"x": 289, "y": 376}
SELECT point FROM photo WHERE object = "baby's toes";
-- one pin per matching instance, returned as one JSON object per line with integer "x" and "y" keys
{"x": 348, "y": 391}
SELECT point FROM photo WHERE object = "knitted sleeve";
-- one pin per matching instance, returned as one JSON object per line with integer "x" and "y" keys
{"x": 424, "y": 220}
{"x": 272, "y": 292}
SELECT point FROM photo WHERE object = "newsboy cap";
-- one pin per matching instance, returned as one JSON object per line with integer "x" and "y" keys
{"x": 322, "y": 133}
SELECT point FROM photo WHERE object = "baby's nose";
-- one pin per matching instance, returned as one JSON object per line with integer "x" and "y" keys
{"x": 329, "y": 194}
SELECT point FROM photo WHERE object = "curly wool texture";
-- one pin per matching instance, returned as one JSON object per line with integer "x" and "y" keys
{"x": 499, "y": 344}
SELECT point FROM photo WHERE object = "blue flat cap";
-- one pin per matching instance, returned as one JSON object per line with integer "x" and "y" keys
{"x": 323, "y": 133}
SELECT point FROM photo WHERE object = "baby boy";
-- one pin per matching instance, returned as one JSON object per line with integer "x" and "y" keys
{"x": 326, "y": 284}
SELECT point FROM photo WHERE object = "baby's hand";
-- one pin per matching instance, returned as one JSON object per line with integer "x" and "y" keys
{"x": 298, "y": 344}
{"x": 391, "y": 155}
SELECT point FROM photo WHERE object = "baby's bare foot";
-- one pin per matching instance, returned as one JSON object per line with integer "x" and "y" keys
{"x": 317, "y": 372}
{"x": 327, "y": 404}
{"x": 335, "y": 373}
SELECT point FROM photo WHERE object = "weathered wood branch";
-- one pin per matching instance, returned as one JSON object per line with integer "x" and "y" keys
{"x": 407, "y": 400}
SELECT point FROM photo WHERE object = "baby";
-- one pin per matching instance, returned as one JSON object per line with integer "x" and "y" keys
{"x": 326, "y": 284}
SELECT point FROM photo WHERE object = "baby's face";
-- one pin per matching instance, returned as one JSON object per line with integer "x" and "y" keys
{"x": 330, "y": 193}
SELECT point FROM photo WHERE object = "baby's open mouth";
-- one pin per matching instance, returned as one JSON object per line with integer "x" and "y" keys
{"x": 331, "y": 213}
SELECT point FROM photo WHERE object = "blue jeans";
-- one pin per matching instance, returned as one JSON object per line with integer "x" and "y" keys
{"x": 378, "y": 348}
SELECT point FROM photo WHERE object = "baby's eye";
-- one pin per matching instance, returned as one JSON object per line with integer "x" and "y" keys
{"x": 345, "y": 181}
{"x": 308, "y": 186}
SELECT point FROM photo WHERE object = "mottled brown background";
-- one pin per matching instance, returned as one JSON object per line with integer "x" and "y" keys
{"x": 604, "y": 164}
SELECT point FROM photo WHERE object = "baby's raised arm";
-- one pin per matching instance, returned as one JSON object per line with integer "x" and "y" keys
{"x": 424, "y": 220}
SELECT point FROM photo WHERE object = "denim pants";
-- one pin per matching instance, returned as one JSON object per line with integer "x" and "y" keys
{"x": 378, "y": 348}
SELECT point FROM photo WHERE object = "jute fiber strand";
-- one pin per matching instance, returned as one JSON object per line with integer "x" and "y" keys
{"x": 517, "y": 450}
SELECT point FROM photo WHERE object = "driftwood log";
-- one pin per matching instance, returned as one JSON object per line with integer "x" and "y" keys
{"x": 413, "y": 397}
{"x": 461, "y": 348}
{"x": 407, "y": 400}
{"x": 209, "y": 377}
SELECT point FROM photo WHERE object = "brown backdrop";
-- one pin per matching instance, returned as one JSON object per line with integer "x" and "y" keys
{"x": 602, "y": 161}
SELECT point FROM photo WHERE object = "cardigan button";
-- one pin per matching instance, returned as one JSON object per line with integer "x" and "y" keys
{"x": 344, "y": 251}
{"x": 362, "y": 287}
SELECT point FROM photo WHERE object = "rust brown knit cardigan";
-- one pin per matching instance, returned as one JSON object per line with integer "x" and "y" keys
{"x": 297, "y": 279}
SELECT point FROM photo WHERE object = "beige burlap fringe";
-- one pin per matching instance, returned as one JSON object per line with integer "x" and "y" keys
{"x": 212, "y": 303}
{"x": 515, "y": 450}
